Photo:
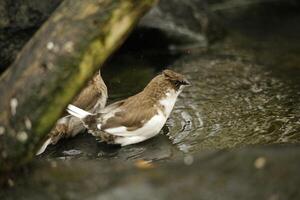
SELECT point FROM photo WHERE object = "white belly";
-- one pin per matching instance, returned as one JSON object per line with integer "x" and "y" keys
{"x": 148, "y": 130}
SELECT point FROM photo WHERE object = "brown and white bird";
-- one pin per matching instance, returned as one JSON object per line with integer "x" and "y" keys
{"x": 92, "y": 98}
{"x": 136, "y": 118}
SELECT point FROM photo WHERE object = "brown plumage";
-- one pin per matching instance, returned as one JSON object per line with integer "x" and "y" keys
{"x": 134, "y": 112}
{"x": 143, "y": 101}
{"x": 92, "y": 98}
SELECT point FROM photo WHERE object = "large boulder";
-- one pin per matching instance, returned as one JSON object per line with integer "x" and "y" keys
{"x": 187, "y": 23}
{"x": 180, "y": 23}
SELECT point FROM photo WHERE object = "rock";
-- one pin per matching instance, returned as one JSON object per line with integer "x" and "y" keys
{"x": 186, "y": 23}
{"x": 19, "y": 19}
{"x": 23, "y": 14}
{"x": 235, "y": 6}
{"x": 11, "y": 42}
{"x": 222, "y": 175}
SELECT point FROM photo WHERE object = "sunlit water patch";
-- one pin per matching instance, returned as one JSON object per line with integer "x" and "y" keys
{"x": 233, "y": 103}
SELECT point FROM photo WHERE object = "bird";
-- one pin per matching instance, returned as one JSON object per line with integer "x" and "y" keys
{"x": 137, "y": 118}
{"x": 92, "y": 98}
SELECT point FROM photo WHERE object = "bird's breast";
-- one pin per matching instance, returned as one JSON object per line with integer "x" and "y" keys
{"x": 167, "y": 102}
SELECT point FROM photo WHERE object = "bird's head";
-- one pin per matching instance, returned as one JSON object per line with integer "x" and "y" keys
{"x": 178, "y": 81}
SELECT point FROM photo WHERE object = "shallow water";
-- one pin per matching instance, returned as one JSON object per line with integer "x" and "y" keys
{"x": 233, "y": 103}
{"x": 242, "y": 94}
{"x": 245, "y": 91}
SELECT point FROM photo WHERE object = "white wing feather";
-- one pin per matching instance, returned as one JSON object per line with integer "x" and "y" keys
{"x": 77, "y": 112}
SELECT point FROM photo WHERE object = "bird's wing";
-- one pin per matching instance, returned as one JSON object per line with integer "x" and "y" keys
{"x": 86, "y": 99}
{"x": 126, "y": 122}
{"x": 112, "y": 107}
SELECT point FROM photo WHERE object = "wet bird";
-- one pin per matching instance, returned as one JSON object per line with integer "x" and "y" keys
{"x": 138, "y": 117}
{"x": 92, "y": 98}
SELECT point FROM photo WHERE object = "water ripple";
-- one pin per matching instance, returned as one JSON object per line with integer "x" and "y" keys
{"x": 233, "y": 103}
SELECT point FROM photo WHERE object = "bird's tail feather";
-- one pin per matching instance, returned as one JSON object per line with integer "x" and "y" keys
{"x": 77, "y": 112}
{"x": 44, "y": 146}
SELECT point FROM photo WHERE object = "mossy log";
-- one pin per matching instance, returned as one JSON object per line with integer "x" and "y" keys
{"x": 54, "y": 65}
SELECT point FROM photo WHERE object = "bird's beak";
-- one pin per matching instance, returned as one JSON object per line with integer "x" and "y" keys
{"x": 187, "y": 83}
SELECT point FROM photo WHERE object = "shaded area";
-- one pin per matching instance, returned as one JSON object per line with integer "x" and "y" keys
{"x": 19, "y": 20}
{"x": 87, "y": 148}
{"x": 250, "y": 173}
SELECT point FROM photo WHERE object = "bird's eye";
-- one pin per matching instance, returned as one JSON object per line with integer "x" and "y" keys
{"x": 177, "y": 83}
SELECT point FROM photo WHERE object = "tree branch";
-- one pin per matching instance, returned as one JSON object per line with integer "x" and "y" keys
{"x": 54, "y": 65}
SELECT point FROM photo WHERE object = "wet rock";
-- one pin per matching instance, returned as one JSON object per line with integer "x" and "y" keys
{"x": 85, "y": 147}
{"x": 212, "y": 175}
{"x": 239, "y": 6}
{"x": 185, "y": 23}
